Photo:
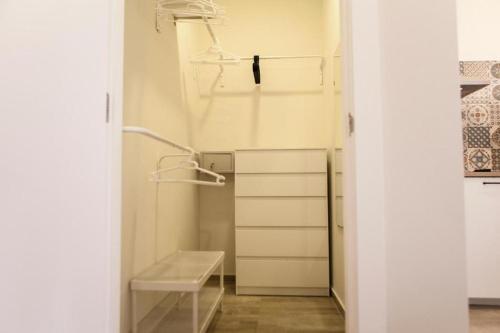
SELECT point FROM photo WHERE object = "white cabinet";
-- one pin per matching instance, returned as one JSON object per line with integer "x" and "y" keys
{"x": 281, "y": 222}
{"x": 482, "y": 211}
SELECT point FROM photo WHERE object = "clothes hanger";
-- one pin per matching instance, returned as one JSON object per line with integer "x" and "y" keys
{"x": 188, "y": 165}
{"x": 215, "y": 55}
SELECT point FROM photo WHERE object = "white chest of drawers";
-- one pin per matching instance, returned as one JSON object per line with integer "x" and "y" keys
{"x": 281, "y": 222}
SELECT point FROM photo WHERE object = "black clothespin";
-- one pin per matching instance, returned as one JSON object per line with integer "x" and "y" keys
{"x": 256, "y": 69}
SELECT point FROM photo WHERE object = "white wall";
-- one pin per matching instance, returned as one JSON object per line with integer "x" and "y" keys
{"x": 56, "y": 229}
{"x": 424, "y": 202}
{"x": 286, "y": 111}
{"x": 157, "y": 219}
{"x": 478, "y": 27}
{"x": 406, "y": 239}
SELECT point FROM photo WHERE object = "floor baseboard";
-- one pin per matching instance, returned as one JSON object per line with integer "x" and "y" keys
{"x": 338, "y": 301}
{"x": 484, "y": 301}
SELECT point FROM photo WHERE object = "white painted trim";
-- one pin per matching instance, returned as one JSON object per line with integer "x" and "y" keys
{"x": 337, "y": 298}
{"x": 351, "y": 311}
{"x": 364, "y": 221}
{"x": 485, "y": 301}
{"x": 115, "y": 90}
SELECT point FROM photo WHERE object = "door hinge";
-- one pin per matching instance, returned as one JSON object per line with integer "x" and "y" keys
{"x": 351, "y": 124}
{"x": 107, "y": 107}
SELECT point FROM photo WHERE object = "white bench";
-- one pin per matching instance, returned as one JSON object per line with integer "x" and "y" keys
{"x": 184, "y": 272}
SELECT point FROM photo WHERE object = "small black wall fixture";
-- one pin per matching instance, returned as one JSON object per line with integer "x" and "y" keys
{"x": 256, "y": 69}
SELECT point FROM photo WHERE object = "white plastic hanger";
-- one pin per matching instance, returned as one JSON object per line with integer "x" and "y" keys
{"x": 215, "y": 55}
{"x": 188, "y": 165}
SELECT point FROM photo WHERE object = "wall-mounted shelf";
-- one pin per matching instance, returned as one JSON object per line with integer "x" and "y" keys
{"x": 192, "y": 11}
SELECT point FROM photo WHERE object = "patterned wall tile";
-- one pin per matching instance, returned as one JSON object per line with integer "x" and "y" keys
{"x": 481, "y": 117}
{"x": 476, "y": 69}
{"x": 495, "y": 71}
{"x": 479, "y": 159}
{"x": 467, "y": 166}
{"x": 495, "y": 137}
{"x": 477, "y": 114}
{"x": 465, "y": 135}
{"x": 478, "y": 137}
{"x": 464, "y": 114}
{"x": 482, "y": 96}
{"x": 495, "y": 92}
{"x": 494, "y": 114}
{"x": 495, "y": 157}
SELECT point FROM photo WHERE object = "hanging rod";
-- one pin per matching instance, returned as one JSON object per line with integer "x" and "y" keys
{"x": 235, "y": 62}
{"x": 157, "y": 137}
{"x": 285, "y": 57}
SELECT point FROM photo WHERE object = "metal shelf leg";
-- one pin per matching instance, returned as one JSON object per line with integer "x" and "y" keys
{"x": 221, "y": 276}
{"x": 195, "y": 313}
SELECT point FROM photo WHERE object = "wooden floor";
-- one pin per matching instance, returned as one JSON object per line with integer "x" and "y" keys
{"x": 484, "y": 319}
{"x": 262, "y": 314}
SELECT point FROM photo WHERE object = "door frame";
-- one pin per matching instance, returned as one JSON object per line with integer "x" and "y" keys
{"x": 364, "y": 245}
{"x": 114, "y": 144}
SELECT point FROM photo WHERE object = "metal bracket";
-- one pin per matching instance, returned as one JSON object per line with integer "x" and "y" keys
{"x": 157, "y": 22}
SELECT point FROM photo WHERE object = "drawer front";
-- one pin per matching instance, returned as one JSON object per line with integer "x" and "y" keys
{"x": 282, "y": 273}
{"x": 281, "y": 212}
{"x": 302, "y": 242}
{"x": 288, "y": 185}
{"x": 281, "y": 161}
{"x": 218, "y": 161}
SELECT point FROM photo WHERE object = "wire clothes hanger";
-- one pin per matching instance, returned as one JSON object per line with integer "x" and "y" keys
{"x": 188, "y": 165}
